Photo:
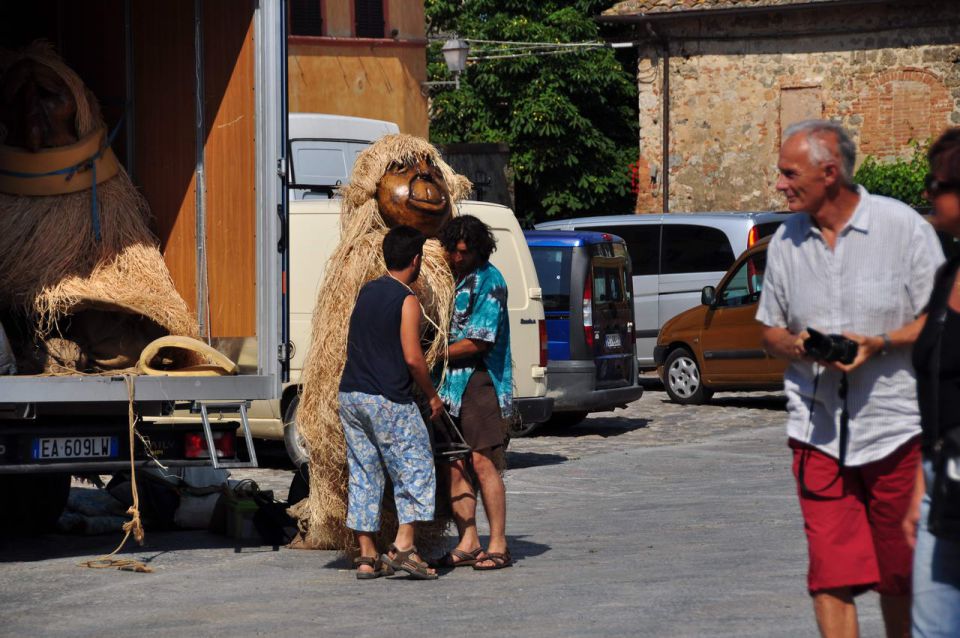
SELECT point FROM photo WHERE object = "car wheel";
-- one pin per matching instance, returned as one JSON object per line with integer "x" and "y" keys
{"x": 32, "y": 503}
{"x": 682, "y": 379}
{"x": 566, "y": 419}
{"x": 292, "y": 439}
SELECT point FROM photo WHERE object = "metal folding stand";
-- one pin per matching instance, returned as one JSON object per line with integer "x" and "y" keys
{"x": 455, "y": 447}
{"x": 238, "y": 408}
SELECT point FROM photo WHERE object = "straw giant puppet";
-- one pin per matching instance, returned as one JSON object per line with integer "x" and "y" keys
{"x": 400, "y": 179}
{"x": 83, "y": 286}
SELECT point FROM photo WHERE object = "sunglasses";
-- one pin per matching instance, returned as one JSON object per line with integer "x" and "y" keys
{"x": 935, "y": 187}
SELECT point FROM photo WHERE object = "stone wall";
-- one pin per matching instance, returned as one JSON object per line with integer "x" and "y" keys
{"x": 737, "y": 82}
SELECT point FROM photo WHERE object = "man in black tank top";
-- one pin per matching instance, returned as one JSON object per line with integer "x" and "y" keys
{"x": 382, "y": 424}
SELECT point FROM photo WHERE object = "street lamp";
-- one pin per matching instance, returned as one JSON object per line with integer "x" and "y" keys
{"x": 455, "y": 55}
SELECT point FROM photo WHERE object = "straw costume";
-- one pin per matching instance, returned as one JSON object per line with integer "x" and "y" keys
{"x": 368, "y": 210}
{"x": 82, "y": 280}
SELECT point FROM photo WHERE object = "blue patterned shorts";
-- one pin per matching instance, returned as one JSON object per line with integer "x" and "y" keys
{"x": 382, "y": 433}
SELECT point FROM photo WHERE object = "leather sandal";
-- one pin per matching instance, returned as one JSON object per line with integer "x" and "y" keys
{"x": 404, "y": 561}
{"x": 458, "y": 558}
{"x": 379, "y": 568}
{"x": 500, "y": 561}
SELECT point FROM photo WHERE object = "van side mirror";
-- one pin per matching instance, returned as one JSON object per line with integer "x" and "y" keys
{"x": 708, "y": 296}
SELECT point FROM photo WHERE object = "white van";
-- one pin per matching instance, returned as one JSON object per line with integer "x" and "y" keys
{"x": 315, "y": 232}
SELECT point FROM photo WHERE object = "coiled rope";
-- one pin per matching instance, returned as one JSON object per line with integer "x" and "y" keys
{"x": 134, "y": 526}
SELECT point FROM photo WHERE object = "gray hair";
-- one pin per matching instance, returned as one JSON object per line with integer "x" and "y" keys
{"x": 813, "y": 131}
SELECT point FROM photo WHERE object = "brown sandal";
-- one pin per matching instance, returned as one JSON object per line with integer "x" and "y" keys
{"x": 379, "y": 568}
{"x": 458, "y": 558}
{"x": 403, "y": 561}
{"x": 500, "y": 561}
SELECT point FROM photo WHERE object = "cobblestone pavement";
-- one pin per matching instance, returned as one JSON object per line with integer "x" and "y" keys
{"x": 656, "y": 520}
{"x": 653, "y": 421}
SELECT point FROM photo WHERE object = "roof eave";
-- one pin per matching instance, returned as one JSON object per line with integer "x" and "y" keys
{"x": 689, "y": 14}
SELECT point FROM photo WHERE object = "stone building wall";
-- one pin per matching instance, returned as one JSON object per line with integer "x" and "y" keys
{"x": 737, "y": 82}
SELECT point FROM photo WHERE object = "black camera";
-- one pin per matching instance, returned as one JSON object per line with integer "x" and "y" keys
{"x": 830, "y": 347}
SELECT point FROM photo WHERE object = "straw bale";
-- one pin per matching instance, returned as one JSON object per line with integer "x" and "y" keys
{"x": 358, "y": 259}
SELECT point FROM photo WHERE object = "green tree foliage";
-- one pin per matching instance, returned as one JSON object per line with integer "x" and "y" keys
{"x": 570, "y": 119}
{"x": 901, "y": 178}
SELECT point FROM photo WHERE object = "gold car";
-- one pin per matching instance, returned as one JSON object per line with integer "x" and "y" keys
{"x": 718, "y": 344}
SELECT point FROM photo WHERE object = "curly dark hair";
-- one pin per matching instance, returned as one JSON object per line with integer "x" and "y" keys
{"x": 471, "y": 231}
{"x": 944, "y": 154}
{"x": 401, "y": 245}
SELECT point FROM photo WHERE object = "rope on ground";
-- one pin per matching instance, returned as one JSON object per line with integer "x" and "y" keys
{"x": 133, "y": 526}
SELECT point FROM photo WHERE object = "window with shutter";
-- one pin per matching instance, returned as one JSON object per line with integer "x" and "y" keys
{"x": 306, "y": 17}
{"x": 369, "y": 14}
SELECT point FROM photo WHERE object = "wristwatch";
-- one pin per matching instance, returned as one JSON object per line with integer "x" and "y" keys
{"x": 885, "y": 348}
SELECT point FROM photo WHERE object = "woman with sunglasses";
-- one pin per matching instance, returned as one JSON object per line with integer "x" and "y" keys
{"x": 936, "y": 357}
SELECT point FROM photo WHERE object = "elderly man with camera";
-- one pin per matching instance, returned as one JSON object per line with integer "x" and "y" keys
{"x": 846, "y": 282}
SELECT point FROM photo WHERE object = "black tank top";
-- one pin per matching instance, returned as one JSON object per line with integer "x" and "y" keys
{"x": 947, "y": 409}
{"x": 375, "y": 363}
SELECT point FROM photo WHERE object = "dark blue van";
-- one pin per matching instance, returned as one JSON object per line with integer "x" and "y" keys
{"x": 587, "y": 287}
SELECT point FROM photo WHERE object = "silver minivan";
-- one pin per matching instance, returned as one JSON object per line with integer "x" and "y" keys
{"x": 674, "y": 256}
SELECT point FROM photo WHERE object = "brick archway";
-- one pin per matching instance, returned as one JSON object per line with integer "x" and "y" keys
{"x": 900, "y": 106}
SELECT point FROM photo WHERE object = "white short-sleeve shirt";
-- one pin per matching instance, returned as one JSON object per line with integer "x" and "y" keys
{"x": 877, "y": 278}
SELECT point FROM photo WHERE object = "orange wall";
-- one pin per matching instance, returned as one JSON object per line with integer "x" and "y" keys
{"x": 375, "y": 78}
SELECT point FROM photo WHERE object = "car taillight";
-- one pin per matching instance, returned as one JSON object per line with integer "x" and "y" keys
{"x": 752, "y": 237}
{"x": 195, "y": 445}
{"x": 588, "y": 312}
{"x": 543, "y": 342}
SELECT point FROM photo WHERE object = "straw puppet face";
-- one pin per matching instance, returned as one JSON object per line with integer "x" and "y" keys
{"x": 414, "y": 194}
{"x": 36, "y": 107}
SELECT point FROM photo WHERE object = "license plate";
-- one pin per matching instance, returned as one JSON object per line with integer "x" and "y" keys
{"x": 612, "y": 340}
{"x": 75, "y": 447}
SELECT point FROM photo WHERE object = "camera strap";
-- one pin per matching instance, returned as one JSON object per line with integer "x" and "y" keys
{"x": 844, "y": 436}
{"x": 844, "y": 421}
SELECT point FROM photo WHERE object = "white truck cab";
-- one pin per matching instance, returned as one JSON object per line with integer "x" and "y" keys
{"x": 323, "y": 149}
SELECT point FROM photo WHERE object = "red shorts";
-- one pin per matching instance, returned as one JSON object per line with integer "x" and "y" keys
{"x": 853, "y": 522}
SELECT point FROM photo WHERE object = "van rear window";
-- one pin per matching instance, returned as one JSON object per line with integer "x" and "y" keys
{"x": 608, "y": 284}
{"x": 553, "y": 271}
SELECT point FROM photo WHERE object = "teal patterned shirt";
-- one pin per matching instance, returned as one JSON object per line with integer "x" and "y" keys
{"x": 480, "y": 313}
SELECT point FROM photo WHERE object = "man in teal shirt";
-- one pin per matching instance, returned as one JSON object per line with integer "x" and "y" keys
{"x": 478, "y": 389}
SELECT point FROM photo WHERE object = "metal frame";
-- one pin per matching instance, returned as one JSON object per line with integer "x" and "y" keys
{"x": 227, "y": 406}
{"x": 265, "y": 384}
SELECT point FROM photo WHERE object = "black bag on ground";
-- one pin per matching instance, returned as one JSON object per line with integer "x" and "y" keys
{"x": 159, "y": 498}
{"x": 272, "y": 522}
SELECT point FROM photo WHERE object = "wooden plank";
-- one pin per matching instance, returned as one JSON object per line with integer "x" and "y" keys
{"x": 230, "y": 161}
{"x": 165, "y": 150}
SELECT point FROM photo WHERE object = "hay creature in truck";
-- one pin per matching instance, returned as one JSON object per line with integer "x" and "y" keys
{"x": 83, "y": 285}
{"x": 400, "y": 179}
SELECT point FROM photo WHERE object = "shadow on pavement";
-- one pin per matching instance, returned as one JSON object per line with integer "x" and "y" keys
{"x": 520, "y": 549}
{"x": 776, "y": 402}
{"x": 520, "y": 460}
{"x": 598, "y": 426}
{"x": 53, "y": 546}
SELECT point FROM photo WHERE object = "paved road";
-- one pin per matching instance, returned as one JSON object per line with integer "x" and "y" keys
{"x": 658, "y": 520}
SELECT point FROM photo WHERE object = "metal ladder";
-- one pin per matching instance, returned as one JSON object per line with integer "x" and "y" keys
{"x": 221, "y": 408}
